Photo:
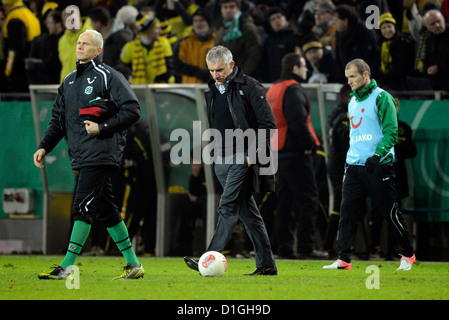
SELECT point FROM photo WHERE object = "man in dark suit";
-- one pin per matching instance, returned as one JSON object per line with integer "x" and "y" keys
{"x": 237, "y": 101}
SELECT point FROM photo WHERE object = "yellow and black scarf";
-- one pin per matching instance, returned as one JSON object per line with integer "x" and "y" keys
{"x": 386, "y": 60}
{"x": 138, "y": 63}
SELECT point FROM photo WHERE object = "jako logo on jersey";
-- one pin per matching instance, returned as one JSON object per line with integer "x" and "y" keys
{"x": 362, "y": 137}
{"x": 88, "y": 90}
{"x": 355, "y": 126}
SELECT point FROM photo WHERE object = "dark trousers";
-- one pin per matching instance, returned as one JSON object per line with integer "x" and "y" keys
{"x": 380, "y": 187}
{"x": 237, "y": 203}
{"x": 94, "y": 198}
{"x": 335, "y": 171}
{"x": 297, "y": 202}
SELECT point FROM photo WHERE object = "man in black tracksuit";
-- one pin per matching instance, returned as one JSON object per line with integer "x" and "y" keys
{"x": 92, "y": 110}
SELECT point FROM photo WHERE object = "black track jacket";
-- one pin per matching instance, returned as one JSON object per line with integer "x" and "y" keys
{"x": 249, "y": 109}
{"x": 87, "y": 82}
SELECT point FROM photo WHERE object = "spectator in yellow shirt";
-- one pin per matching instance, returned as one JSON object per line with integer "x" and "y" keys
{"x": 190, "y": 60}
{"x": 149, "y": 55}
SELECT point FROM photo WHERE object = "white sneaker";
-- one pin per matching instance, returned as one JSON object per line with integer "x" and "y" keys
{"x": 407, "y": 262}
{"x": 338, "y": 264}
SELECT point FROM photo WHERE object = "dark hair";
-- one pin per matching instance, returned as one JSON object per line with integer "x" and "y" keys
{"x": 345, "y": 11}
{"x": 56, "y": 15}
{"x": 226, "y": 1}
{"x": 100, "y": 14}
{"x": 290, "y": 60}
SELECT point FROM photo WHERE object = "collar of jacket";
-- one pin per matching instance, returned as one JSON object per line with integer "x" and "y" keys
{"x": 235, "y": 76}
{"x": 205, "y": 36}
{"x": 287, "y": 75}
{"x": 287, "y": 30}
{"x": 362, "y": 94}
{"x": 80, "y": 67}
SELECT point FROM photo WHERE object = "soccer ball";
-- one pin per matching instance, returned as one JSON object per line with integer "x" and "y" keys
{"x": 212, "y": 264}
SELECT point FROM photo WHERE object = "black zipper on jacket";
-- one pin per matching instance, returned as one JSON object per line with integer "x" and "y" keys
{"x": 231, "y": 110}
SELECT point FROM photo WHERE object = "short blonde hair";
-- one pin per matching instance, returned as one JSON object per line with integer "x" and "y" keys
{"x": 98, "y": 38}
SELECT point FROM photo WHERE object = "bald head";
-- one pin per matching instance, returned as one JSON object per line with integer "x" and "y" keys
{"x": 434, "y": 21}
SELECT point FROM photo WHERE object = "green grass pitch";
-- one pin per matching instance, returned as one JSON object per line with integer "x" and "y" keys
{"x": 170, "y": 279}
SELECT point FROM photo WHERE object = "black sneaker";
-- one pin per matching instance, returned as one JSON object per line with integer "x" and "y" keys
{"x": 264, "y": 271}
{"x": 58, "y": 273}
{"x": 191, "y": 263}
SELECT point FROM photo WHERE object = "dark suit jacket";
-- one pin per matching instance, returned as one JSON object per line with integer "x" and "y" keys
{"x": 250, "y": 110}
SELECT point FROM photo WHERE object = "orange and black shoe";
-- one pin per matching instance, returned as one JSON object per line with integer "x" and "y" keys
{"x": 407, "y": 262}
